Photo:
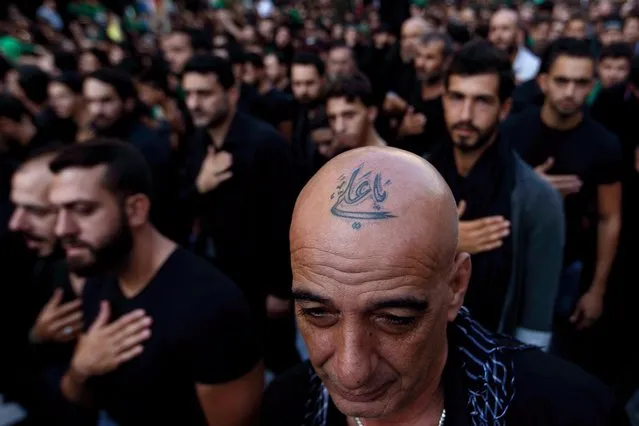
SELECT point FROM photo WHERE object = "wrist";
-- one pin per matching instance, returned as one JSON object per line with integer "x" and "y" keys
{"x": 77, "y": 375}
{"x": 34, "y": 337}
{"x": 597, "y": 289}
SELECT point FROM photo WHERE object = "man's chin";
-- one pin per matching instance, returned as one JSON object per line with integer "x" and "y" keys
{"x": 369, "y": 410}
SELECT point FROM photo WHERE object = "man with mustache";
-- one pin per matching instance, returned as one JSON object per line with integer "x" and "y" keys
{"x": 582, "y": 160}
{"x": 379, "y": 282}
{"x": 511, "y": 221}
{"x": 169, "y": 339}
{"x": 50, "y": 315}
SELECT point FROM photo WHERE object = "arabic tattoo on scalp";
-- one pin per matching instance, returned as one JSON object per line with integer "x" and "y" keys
{"x": 361, "y": 197}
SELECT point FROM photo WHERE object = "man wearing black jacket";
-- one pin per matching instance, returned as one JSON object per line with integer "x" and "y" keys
{"x": 242, "y": 176}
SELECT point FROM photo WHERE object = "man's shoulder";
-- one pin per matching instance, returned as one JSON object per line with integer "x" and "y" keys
{"x": 286, "y": 397}
{"x": 555, "y": 392}
{"x": 532, "y": 186}
{"x": 197, "y": 273}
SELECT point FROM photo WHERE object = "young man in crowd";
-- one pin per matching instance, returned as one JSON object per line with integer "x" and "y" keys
{"x": 234, "y": 163}
{"x": 511, "y": 221}
{"x": 582, "y": 160}
{"x": 157, "y": 346}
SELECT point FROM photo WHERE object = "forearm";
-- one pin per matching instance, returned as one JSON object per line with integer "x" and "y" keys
{"x": 73, "y": 387}
{"x": 607, "y": 239}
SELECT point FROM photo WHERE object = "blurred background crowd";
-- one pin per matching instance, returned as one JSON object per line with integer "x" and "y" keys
{"x": 553, "y": 268}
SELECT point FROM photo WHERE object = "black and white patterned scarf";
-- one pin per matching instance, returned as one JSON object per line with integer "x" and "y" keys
{"x": 487, "y": 361}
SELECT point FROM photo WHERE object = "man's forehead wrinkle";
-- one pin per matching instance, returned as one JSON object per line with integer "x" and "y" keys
{"x": 426, "y": 262}
{"x": 317, "y": 273}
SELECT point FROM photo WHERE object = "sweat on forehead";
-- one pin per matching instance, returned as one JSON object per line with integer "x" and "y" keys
{"x": 377, "y": 202}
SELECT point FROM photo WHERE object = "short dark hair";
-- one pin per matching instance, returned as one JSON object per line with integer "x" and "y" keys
{"x": 34, "y": 82}
{"x": 65, "y": 61}
{"x": 5, "y": 67}
{"x": 541, "y": 18}
{"x": 100, "y": 55}
{"x": 564, "y": 46}
{"x": 12, "y": 108}
{"x": 71, "y": 79}
{"x": 479, "y": 58}
{"x": 127, "y": 173}
{"x": 618, "y": 50}
{"x": 155, "y": 75}
{"x": 340, "y": 44}
{"x": 209, "y": 64}
{"x": 353, "y": 87}
{"x": 309, "y": 59}
{"x": 119, "y": 80}
{"x": 200, "y": 40}
{"x": 436, "y": 36}
{"x": 634, "y": 71}
{"x": 254, "y": 59}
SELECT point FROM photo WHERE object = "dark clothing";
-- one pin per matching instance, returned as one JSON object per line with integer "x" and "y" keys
{"x": 31, "y": 372}
{"x": 307, "y": 158}
{"x": 202, "y": 333}
{"x": 434, "y": 130}
{"x": 153, "y": 140}
{"x": 64, "y": 130}
{"x": 274, "y": 107}
{"x": 527, "y": 94}
{"x": 487, "y": 191}
{"x": 546, "y": 391}
{"x": 588, "y": 151}
{"x": 247, "y": 217}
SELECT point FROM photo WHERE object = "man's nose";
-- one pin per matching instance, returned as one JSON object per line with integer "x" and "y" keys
{"x": 64, "y": 226}
{"x": 355, "y": 359}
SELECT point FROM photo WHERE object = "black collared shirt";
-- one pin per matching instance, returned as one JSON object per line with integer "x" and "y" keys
{"x": 247, "y": 217}
{"x": 548, "y": 392}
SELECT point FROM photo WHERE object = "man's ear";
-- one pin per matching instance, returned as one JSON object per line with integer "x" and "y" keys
{"x": 458, "y": 284}
{"x": 137, "y": 208}
{"x": 505, "y": 109}
{"x": 129, "y": 104}
{"x": 542, "y": 81}
{"x": 372, "y": 114}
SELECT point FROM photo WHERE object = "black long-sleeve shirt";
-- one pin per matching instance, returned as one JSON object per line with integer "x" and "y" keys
{"x": 248, "y": 216}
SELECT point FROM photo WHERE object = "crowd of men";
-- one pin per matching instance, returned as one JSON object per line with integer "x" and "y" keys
{"x": 151, "y": 156}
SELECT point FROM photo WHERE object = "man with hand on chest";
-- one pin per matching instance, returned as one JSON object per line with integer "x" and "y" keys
{"x": 169, "y": 339}
{"x": 582, "y": 160}
{"x": 241, "y": 172}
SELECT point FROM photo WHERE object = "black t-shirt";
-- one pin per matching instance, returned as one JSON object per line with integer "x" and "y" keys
{"x": 548, "y": 392}
{"x": 588, "y": 151}
{"x": 434, "y": 130}
{"x": 201, "y": 334}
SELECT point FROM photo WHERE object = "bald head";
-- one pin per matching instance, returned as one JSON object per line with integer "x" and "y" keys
{"x": 376, "y": 279}
{"x": 412, "y": 30}
{"x": 378, "y": 202}
{"x": 504, "y": 28}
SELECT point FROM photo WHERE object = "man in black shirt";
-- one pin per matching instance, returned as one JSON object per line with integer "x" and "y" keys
{"x": 273, "y": 105}
{"x": 44, "y": 307}
{"x": 379, "y": 283}
{"x": 310, "y": 127}
{"x": 582, "y": 160}
{"x": 244, "y": 188}
{"x": 169, "y": 338}
{"x": 422, "y": 125}
{"x": 115, "y": 111}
